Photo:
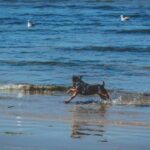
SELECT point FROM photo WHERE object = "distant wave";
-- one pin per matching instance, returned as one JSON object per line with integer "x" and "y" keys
{"x": 72, "y": 63}
{"x": 118, "y": 97}
{"x": 89, "y": 48}
{"x": 107, "y": 48}
{"x": 76, "y": 6}
{"x": 135, "y": 31}
{"x": 28, "y": 63}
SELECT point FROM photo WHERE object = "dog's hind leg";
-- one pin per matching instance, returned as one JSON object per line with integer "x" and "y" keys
{"x": 73, "y": 96}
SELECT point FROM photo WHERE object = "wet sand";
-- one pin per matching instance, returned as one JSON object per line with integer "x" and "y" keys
{"x": 43, "y": 122}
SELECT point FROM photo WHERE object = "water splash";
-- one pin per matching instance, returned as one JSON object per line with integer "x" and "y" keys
{"x": 130, "y": 98}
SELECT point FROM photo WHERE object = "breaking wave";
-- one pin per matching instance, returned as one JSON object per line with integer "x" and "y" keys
{"x": 30, "y": 88}
{"x": 118, "y": 97}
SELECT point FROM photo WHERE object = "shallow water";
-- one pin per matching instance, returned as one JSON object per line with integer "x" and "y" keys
{"x": 42, "y": 121}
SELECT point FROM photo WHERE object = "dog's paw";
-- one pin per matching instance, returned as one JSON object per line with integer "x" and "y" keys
{"x": 66, "y": 102}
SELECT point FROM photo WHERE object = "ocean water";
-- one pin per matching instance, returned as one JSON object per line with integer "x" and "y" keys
{"x": 84, "y": 37}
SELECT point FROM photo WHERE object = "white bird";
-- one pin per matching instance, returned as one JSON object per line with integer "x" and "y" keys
{"x": 124, "y": 18}
{"x": 30, "y": 24}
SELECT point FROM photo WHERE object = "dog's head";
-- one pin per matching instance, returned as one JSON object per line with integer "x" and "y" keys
{"x": 76, "y": 78}
{"x": 103, "y": 92}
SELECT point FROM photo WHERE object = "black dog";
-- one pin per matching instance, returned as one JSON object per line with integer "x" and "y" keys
{"x": 83, "y": 88}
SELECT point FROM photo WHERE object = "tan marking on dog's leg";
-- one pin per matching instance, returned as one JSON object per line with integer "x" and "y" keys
{"x": 73, "y": 96}
{"x": 71, "y": 90}
{"x": 68, "y": 91}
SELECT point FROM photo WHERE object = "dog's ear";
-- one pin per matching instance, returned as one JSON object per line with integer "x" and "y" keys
{"x": 76, "y": 78}
{"x": 73, "y": 78}
{"x": 103, "y": 84}
{"x": 80, "y": 76}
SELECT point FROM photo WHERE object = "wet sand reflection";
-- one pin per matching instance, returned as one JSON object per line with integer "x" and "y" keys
{"x": 85, "y": 121}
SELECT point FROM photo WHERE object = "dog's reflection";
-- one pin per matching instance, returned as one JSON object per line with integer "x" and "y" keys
{"x": 88, "y": 120}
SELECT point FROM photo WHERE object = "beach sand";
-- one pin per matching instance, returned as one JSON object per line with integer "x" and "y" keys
{"x": 43, "y": 122}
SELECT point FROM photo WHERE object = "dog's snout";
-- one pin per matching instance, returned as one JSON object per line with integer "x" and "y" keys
{"x": 105, "y": 96}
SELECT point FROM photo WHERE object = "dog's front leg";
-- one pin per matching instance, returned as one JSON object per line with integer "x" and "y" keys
{"x": 73, "y": 96}
{"x": 71, "y": 90}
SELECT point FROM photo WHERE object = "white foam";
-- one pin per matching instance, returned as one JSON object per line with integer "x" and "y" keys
{"x": 20, "y": 95}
